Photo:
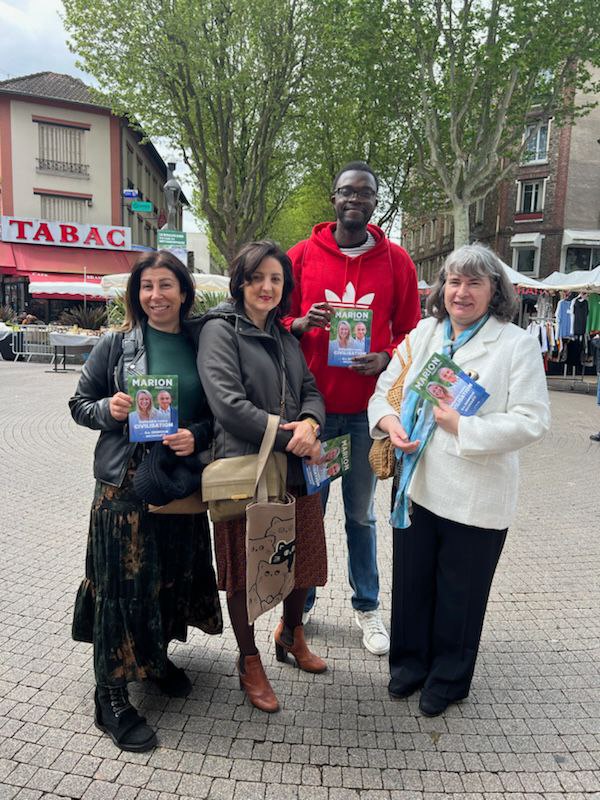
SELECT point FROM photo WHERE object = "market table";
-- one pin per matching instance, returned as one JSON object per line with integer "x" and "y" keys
{"x": 73, "y": 341}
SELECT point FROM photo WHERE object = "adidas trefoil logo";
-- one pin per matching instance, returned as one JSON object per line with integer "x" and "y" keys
{"x": 349, "y": 297}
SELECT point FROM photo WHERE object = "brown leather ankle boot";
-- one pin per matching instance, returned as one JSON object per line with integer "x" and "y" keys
{"x": 254, "y": 681}
{"x": 288, "y": 641}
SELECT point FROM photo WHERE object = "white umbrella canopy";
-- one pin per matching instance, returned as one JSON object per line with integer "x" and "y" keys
{"x": 573, "y": 281}
{"x": 113, "y": 285}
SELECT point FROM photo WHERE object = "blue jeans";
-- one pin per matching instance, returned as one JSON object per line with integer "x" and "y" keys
{"x": 358, "y": 490}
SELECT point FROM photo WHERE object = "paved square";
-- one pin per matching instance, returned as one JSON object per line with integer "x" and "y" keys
{"x": 530, "y": 728}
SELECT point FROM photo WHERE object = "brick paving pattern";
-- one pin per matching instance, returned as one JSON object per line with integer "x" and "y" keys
{"x": 530, "y": 728}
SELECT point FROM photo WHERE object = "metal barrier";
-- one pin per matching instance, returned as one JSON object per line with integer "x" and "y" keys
{"x": 32, "y": 340}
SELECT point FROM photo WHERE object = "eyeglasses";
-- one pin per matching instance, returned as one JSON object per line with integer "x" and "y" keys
{"x": 350, "y": 191}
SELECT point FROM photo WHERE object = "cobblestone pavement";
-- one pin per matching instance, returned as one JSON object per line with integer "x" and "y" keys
{"x": 530, "y": 728}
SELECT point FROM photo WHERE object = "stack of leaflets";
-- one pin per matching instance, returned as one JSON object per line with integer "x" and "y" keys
{"x": 155, "y": 407}
{"x": 335, "y": 454}
{"x": 442, "y": 379}
{"x": 349, "y": 335}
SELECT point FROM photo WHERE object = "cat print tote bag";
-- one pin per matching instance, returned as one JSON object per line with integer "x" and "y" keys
{"x": 270, "y": 539}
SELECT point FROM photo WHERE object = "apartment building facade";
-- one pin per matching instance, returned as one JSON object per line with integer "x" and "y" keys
{"x": 65, "y": 163}
{"x": 545, "y": 218}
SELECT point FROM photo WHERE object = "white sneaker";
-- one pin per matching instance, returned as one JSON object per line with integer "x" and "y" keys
{"x": 375, "y": 637}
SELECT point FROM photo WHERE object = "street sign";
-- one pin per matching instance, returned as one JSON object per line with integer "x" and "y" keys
{"x": 130, "y": 193}
{"x": 173, "y": 241}
{"x": 168, "y": 239}
{"x": 142, "y": 205}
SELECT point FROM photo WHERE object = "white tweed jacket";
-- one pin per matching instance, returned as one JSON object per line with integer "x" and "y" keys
{"x": 473, "y": 478}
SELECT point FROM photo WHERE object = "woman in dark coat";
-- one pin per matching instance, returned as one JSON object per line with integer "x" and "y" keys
{"x": 245, "y": 357}
{"x": 148, "y": 576}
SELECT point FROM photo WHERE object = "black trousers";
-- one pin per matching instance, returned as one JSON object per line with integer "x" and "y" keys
{"x": 442, "y": 576}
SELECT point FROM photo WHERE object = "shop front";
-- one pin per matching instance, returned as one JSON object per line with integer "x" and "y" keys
{"x": 46, "y": 267}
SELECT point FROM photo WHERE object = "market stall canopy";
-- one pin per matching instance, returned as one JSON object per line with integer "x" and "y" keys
{"x": 65, "y": 287}
{"x": 580, "y": 280}
{"x": 113, "y": 285}
{"x": 518, "y": 279}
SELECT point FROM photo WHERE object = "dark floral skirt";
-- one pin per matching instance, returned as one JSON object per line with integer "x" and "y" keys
{"x": 148, "y": 576}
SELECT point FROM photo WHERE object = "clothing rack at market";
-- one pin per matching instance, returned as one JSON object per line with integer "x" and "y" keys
{"x": 575, "y": 286}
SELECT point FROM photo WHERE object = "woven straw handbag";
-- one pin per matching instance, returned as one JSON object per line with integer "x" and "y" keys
{"x": 382, "y": 457}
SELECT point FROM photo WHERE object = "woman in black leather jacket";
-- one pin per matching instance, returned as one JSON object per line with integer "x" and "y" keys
{"x": 245, "y": 359}
{"x": 148, "y": 576}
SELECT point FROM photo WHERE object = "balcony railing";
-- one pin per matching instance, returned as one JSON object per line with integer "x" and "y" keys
{"x": 50, "y": 165}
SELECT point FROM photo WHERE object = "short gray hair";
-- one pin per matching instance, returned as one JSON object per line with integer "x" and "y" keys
{"x": 476, "y": 260}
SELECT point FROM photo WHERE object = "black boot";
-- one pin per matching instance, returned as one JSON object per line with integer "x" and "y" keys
{"x": 118, "y": 718}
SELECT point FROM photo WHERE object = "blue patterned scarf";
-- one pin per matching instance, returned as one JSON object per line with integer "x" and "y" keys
{"x": 416, "y": 417}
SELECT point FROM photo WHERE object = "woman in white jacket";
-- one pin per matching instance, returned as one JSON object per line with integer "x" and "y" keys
{"x": 459, "y": 475}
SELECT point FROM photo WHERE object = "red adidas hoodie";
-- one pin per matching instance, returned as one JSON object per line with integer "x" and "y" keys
{"x": 383, "y": 279}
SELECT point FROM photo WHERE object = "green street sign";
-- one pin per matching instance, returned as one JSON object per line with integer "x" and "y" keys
{"x": 142, "y": 205}
{"x": 168, "y": 239}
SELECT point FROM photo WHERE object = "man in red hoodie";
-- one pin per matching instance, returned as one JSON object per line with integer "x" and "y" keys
{"x": 351, "y": 265}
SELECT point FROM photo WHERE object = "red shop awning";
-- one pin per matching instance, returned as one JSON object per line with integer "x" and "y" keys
{"x": 20, "y": 258}
{"x": 7, "y": 259}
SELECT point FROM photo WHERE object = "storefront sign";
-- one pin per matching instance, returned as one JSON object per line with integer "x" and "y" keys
{"x": 65, "y": 234}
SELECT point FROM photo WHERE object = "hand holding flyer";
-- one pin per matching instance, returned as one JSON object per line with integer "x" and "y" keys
{"x": 442, "y": 379}
{"x": 349, "y": 335}
{"x": 336, "y": 461}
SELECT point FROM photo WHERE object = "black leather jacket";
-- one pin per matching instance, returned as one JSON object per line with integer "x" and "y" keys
{"x": 240, "y": 366}
{"x": 102, "y": 375}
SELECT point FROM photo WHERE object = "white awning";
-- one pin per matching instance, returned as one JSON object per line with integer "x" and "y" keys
{"x": 527, "y": 240}
{"x": 115, "y": 284}
{"x": 68, "y": 286}
{"x": 580, "y": 238}
{"x": 574, "y": 281}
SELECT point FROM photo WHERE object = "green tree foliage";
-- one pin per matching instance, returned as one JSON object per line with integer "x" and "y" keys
{"x": 474, "y": 71}
{"x": 218, "y": 78}
{"x": 308, "y": 205}
{"x": 350, "y": 107}
{"x": 268, "y": 98}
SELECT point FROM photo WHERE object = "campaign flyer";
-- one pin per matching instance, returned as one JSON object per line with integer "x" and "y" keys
{"x": 335, "y": 454}
{"x": 154, "y": 413}
{"x": 442, "y": 379}
{"x": 349, "y": 335}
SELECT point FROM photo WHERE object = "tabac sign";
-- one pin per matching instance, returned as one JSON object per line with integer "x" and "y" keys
{"x": 65, "y": 234}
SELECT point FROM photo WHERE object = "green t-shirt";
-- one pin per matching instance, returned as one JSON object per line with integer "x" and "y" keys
{"x": 174, "y": 354}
